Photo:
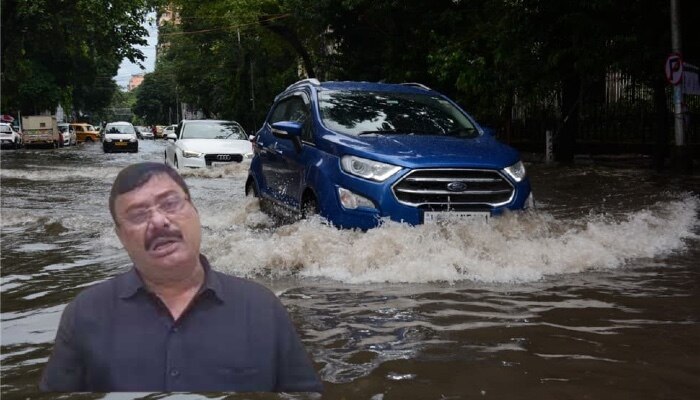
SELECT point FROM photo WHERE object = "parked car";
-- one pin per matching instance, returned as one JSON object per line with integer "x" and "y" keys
{"x": 86, "y": 132}
{"x": 120, "y": 136}
{"x": 170, "y": 129}
{"x": 68, "y": 135}
{"x": 358, "y": 152}
{"x": 9, "y": 137}
{"x": 202, "y": 143}
{"x": 144, "y": 132}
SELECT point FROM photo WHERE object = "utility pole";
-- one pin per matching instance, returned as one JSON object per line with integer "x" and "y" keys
{"x": 252, "y": 84}
{"x": 682, "y": 163}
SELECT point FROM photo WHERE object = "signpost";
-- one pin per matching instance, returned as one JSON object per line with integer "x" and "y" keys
{"x": 674, "y": 73}
{"x": 674, "y": 69}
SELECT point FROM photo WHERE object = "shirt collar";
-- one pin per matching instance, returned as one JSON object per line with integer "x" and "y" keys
{"x": 131, "y": 283}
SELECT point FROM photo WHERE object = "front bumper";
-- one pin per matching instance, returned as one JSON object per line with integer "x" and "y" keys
{"x": 212, "y": 160}
{"x": 120, "y": 145}
{"x": 386, "y": 204}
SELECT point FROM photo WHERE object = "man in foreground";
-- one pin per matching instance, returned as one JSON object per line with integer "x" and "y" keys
{"x": 172, "y": 323}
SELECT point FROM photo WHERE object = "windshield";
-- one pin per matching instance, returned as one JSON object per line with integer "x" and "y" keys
{"x": 213, "y": 130}
{"x": 119, "y": 129}
{"x": 360, "y": 112}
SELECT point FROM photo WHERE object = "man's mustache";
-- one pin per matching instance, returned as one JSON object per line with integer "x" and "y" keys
{"x": 162, "y": 235}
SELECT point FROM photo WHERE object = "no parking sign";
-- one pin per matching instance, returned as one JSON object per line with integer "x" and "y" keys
{"x": 674, "y": 69}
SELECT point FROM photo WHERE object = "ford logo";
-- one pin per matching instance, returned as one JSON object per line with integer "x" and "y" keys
{"x": 456, "y": 186}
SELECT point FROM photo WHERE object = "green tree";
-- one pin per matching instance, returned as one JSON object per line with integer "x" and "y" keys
{"x": 155, "y": 97}
{"x": 67, "y": 52}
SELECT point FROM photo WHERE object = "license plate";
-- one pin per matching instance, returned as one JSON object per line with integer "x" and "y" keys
{"x": 120, "y": 143}
{"x": 433, "y": 217}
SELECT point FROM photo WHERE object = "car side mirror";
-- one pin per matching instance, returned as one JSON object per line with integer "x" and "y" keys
{"x": 171, "y": 136}
{"x": 288, "y": 130}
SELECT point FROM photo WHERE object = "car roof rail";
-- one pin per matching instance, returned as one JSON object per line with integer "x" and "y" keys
{"x": 416, "y": 84}
{"x": 312, "y": 81}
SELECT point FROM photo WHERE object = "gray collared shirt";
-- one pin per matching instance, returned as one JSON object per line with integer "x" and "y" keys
{"x": 235, "y": 336}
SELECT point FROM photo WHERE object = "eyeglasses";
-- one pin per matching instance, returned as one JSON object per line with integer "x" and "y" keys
{"x": 169, "y": 205}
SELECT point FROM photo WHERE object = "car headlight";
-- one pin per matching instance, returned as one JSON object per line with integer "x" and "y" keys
{"x": 368, "y": 169}
{"x": 108, "y": 140}
{"x": 191, "y": 154}
{"x": 248, "y": 156}
{"x": 516, "y": 171}
{"x": 133, "y": 139}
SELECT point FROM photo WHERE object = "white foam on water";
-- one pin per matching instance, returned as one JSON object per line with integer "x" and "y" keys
{"x": 61, "y": 173}
{"x": 517, "y": 247}
{"x": 232, "y": 169}
{"x": 9, "y": 217}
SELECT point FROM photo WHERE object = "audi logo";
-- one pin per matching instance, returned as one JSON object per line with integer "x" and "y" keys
{"x": 456, "y": 186}
{"x": 223, "y": 157}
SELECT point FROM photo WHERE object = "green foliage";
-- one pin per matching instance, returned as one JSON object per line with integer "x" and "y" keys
{"x": 487, "y": 54}
{"x": 155, "y": 99}
{"x": 54, "y": 51}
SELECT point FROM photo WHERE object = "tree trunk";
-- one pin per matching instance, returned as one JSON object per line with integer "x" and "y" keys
{"x": 565, "y": 143}
{"x": 291, "y": 37}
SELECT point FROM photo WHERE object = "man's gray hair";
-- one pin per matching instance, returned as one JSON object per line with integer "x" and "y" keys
{"x": 136, "y": 175}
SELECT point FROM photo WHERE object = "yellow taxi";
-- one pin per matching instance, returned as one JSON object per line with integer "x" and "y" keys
{"x": 85, "y": 132}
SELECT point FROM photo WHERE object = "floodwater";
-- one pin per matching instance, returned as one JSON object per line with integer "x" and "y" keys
{"x": 594, "y": 296}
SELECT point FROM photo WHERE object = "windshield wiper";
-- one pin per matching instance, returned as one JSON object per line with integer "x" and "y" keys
{"x": 462, "y": 131}
{"x": 385, "y": 132}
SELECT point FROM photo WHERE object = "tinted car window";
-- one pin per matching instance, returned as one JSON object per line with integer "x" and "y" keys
{"x": 279, "y": 113}
{"x": 120, "y": 129}
{"x": 213, "y": 131}
{"x": 356, "y": 112}
{"x": 294, "y": 109}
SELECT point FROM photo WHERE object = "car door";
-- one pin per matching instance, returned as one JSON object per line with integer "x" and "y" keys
{"x": 79, "y": 133}
{"x": 269, "y": 181}
{"x": 291, "y": 160}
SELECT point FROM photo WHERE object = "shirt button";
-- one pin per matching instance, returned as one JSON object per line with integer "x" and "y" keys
{"x": 175, "y": 329}
{"x": 174, "y": 373}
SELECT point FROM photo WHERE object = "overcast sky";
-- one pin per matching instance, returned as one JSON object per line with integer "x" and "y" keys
{"x": 127, "y": 68}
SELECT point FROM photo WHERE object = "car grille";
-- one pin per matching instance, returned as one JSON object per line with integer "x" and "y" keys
{"x": 222, "y": 158}
{"x": 454, "y": 189}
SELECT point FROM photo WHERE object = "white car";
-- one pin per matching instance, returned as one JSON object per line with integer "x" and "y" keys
{"x": 203, "y": 143}
{"x": 68, "y": 135}
{"x": 120, "y": 136}
{"x": 9, "y": 136}
{"x": 146, "y": 132}
{"x": 170, "y": 129}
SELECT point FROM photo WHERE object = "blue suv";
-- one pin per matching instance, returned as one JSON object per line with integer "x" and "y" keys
{"x": 359, "y": 152}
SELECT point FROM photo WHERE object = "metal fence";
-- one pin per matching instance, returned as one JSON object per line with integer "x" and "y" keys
{"x": 616, "y": 116}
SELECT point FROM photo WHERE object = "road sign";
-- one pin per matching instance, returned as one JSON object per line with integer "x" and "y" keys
{"x": 674, "y": 69}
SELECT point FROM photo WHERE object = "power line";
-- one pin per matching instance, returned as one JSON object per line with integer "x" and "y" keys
{"x": 281, "y": 16}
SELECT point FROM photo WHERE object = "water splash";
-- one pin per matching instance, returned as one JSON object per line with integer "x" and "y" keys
{"x": 518, "y": 247}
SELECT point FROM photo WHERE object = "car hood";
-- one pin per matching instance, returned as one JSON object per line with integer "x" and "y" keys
{"x": 216, "y": 146}
{"x": 431, "y": 151}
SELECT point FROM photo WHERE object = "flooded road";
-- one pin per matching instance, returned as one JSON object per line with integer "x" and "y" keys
{"x": 596, "y": 295}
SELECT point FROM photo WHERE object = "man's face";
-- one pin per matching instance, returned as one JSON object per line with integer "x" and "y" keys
{"x": 159, "y": 228}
